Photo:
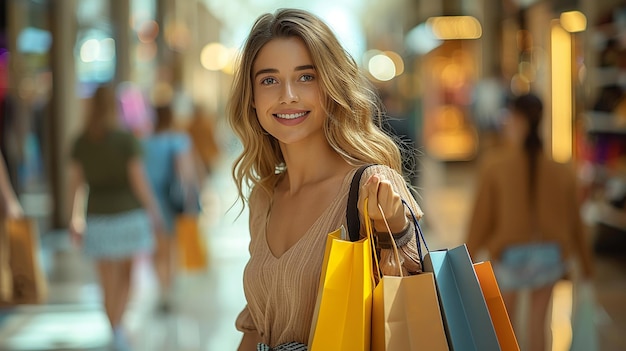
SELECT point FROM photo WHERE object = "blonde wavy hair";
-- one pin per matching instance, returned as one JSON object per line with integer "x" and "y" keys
{"x": 353, "y": 127}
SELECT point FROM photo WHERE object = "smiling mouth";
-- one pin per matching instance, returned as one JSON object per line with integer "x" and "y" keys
{"x": 290, "y": 115}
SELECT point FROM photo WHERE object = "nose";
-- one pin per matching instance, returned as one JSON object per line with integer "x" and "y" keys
{"x": 289, "y": 94}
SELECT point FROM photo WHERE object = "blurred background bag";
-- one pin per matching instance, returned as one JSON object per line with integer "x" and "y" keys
{"x": 6, "y": 280}
{"x": 191, "y": 247}
{"x": 29, "y": 282}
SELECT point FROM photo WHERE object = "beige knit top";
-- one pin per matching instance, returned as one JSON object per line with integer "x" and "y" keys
{"x": 281, "y": 291}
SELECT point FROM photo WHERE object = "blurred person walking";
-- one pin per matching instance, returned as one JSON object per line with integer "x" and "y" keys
{"x": 527, "y": 216}
{"x": 169, "y": 163}
{"x": 113, "y": 208}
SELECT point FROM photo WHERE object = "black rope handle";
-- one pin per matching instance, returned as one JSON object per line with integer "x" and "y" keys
{"x": 352, "y": 210}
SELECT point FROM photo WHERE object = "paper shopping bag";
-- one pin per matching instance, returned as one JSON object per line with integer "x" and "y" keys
{"x": 191, "y": 247}
{"x": 29, "y": 282}
{"x": 495, "y": 304}
{"x": 405, "y": 311}
{"x": 468, "y": 324}
{"x": 6, "y": 279}
{"x": 406, "y": 315}
{"x": 342, "y": 317}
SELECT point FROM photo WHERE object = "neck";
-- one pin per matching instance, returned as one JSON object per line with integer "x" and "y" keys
{"x": 311, "y": 163}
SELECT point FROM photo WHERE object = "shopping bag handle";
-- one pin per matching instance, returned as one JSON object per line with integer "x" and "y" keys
{"x": 419, "y": 235}
{"x": 393, "y": 242}
{"x": 352, "y": 210}
{"x": 370, "y": 235}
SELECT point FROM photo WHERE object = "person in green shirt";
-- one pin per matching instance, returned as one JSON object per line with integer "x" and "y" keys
{"x": 114, "y": 212}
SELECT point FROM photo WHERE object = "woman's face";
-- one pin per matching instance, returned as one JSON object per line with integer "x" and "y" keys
{"x": 286, "y": 91}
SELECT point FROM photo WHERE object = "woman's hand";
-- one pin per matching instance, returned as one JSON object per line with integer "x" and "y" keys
{"x": 156, "y": 221}
{"x": 380, "y": 191}
{"x": 14, "y": 209}
{"x": 77, "y": 229}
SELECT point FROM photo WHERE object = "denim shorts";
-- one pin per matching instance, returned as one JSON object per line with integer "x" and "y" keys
{"x": 529, "y": 266}
{"x": 118, "y": 236}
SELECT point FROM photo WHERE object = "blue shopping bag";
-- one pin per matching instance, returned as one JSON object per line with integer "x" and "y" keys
{"x": 468, "y": 324}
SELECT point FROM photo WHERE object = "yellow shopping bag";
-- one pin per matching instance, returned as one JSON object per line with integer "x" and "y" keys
{"x": 342, "y": 318}
{"x": 191, "y": 247}
{"x": 343, "y": 310}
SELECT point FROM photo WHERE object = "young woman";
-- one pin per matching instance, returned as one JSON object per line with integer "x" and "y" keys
{"x": 526, "y": 215}
{"x": 119, "y": 205}
{"x": 306, "y": 118}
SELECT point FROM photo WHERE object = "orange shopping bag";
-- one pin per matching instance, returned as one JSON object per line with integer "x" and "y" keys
{"x": 495, "y": 304}
{"x": 191, "y": 247}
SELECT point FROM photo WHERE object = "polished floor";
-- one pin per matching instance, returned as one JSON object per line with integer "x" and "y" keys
{"x": 208, "y": 301}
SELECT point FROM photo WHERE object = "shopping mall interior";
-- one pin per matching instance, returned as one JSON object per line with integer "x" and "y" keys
{"x": 443, "y": 69}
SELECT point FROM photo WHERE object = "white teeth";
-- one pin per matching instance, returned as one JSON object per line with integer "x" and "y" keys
{"x": 290, "y": 115}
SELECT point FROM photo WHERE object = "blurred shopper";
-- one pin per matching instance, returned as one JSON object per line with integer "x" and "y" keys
{"x": 169, "y": 164}
{"x": 526, "y": 214}
{"x": 108, "y": 184}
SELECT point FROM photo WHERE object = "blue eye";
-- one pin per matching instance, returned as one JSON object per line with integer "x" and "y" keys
{"x": 268, "y": 81}
{"x": 307, "y": 77}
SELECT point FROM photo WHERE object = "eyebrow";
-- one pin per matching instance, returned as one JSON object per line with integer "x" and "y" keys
{"x": 274, "y": 70}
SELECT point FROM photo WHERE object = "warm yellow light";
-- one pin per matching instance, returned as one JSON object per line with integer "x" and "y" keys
{"x": 455, "y": 27}
{"x": 397, "y": 61}
{"x": 573, "y": 21}
{"x": 382, "y": 67}
{"x": 561, "y": 61}
{"x": 229, "y": 68}
{"x": 215, "y": 56}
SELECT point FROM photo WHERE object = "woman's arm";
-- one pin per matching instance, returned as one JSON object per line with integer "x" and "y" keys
{"x": 249, "y": 341}
{"x": 77, "y": 197}
{"x": 186, "y": 173}
{"x": 7, "y": 195}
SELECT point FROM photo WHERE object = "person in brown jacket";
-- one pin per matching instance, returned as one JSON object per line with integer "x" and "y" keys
{"x": 527, "y": 216}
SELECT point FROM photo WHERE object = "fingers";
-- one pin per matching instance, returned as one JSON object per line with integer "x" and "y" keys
{"x": 379, "y": 191}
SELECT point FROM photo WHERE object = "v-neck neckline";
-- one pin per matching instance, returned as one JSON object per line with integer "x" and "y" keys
{"x": 347, "y": 178}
